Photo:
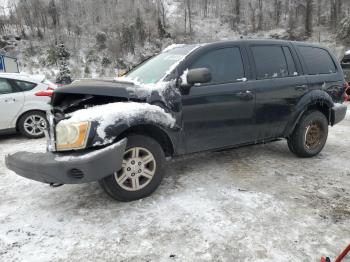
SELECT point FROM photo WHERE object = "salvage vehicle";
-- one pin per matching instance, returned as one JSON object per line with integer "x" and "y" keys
{"x": 187, "y": 99}
{"x": 24, "y": 100}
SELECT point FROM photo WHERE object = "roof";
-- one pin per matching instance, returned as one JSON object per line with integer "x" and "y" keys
{"x": 249, "y": 41}
{"x": 23, "y": 77}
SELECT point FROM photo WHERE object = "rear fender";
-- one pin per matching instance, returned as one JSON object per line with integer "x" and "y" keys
{"x": 315, "y": 99}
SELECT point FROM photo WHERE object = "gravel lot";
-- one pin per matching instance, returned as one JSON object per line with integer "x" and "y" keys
{"x": 256, "y": 203}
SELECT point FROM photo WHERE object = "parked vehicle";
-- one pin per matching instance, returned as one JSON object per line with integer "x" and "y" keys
{"x": 24, "y": 100}
{"x": 189, "y": 98}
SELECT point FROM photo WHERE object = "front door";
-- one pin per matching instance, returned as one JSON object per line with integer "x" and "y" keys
{"x": 220, "y": 113}
{"x": 11, "y": 103}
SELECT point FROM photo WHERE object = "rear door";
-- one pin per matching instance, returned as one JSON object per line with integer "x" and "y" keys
{"x": 11, "y": 103}
{"x": 279, "y": 84}
{"x": 220, "y": 113}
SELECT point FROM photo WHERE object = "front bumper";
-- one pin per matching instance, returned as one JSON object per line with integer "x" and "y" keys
{"x": 338, "y": 113}
{"x": 71, "y": 168}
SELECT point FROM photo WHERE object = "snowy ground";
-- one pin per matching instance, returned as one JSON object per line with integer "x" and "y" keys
{"x": 256, "y": 203}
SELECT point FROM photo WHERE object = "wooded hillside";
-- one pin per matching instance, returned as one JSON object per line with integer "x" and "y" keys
{"x": 102, "y": 35}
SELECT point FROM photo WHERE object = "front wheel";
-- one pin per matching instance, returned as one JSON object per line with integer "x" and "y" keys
{"x": 310, "y": 135}
{"x": 141, "y": 173}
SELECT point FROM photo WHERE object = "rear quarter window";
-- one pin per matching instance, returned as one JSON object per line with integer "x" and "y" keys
{"x": 317, "y": 60}
{"x": 25, "y": 86}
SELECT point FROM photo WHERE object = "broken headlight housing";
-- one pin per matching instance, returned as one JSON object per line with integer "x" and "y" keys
{"x": 72, "y": 136}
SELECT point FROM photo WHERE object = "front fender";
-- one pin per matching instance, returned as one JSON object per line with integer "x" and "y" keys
{"x": 312, "y": 98}
{"x": 115, "y": 130}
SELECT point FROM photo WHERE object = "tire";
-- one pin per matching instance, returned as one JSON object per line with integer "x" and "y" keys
{"x": 128, "y": 189}
{"x": 32, "y": 124}
{"x": 310, "y": 135}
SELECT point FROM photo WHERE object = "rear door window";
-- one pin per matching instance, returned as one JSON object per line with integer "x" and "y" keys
{"x": 5, "y": 86}
{"x": 25, "y": 86}
{"x": 317, "y": 60}
{"x": 225, "y": 65}
{"x": 270, "y": 62}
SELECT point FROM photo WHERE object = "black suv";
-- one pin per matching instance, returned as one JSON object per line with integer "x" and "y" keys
{"x": 187, "y": 99}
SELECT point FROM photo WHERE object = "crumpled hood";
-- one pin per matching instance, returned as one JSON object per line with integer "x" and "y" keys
{"x": 109, "y": 88}
{"x": 86, "y": 93}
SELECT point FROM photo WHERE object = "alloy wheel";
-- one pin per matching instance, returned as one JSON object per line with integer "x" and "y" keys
{"x": 138, "y": 169}
{"x": 35, "y": 125}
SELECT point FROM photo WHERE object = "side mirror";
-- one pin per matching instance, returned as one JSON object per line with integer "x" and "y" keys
{"x": 198, "y": 76}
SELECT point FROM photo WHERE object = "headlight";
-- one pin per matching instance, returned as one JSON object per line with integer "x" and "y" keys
{"x": 71, "y": 136}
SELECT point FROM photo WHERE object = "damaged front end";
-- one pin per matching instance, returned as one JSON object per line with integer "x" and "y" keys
{"x": 61, "y": 165}
{"x": 83, "y": 138}
{"x": 69, "y": 168}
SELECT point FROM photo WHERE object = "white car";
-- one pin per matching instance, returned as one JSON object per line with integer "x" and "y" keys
{"x": 24, "y": 100}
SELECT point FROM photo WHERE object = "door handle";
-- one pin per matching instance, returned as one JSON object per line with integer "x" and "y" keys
{"x": 301, "y": 88}
{"x": 246, "y": 95}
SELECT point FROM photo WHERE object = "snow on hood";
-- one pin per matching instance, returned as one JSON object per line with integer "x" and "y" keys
{"x": 112, "y": 113}
{"x": 347, "y": 52}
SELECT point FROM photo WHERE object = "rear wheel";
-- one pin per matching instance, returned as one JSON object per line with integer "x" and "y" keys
{"x": 310, "y": 135}
{"x": 141, "y": 173}
{"x": 32, "y": 124}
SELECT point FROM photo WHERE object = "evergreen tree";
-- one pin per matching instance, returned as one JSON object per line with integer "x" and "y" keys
{"x": 64, "y": 75}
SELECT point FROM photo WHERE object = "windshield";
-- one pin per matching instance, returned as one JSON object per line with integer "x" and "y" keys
{"x": 154, "y": 69}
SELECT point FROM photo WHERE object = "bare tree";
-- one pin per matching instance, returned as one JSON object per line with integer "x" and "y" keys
{"x": 238, "y": 11}
{"x": 252, "y": 17}
{"x": 205, "y": 8}
{"x": 260, "y": 15}
{"x": 53, "y": 12}
{"x": 277, "y": 11}
{"x": 188, "y": 16}
{"x": 308, "y": 17}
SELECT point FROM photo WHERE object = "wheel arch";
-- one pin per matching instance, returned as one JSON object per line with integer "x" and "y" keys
{"x": 314, "y": 100}
{"x": 153, "y": 131}
{"x": 25, "y": 112}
